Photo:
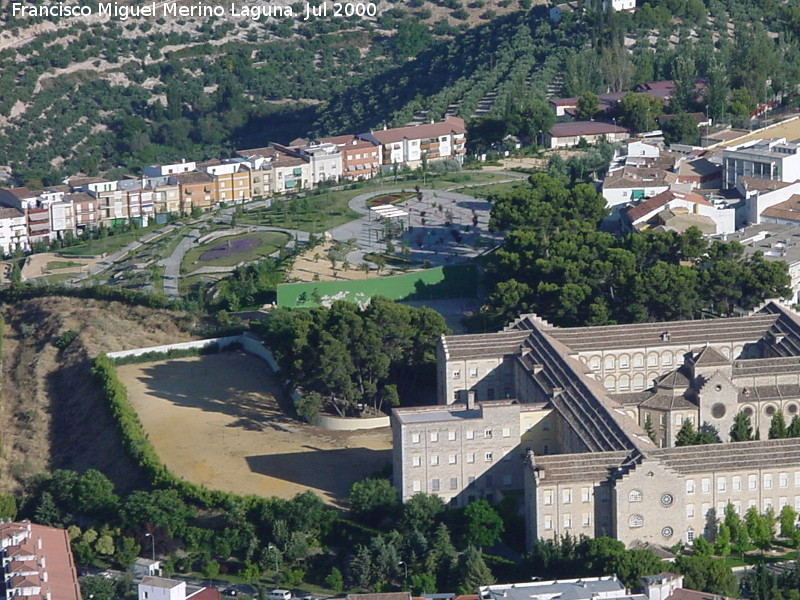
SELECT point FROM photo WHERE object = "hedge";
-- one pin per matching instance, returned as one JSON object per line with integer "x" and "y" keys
{"x": 135, "y": 442}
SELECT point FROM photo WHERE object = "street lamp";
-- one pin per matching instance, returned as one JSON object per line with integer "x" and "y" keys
{"x": 275, "y": 550}
{"x": 153, "y": 541}
{"x": 405, "y": 567}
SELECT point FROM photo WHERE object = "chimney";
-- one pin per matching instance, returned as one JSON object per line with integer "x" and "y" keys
{"x": 470, "y": 399}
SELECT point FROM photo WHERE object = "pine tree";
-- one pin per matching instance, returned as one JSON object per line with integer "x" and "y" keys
{"x": 777, "y": 427}
{"x": 794, "y": 427}
{"x": 648, "y": 428}
{"x": 742, "y": 428}
{"x": 474, "y": 570}
{"x": 722, "y": 547}
{"x": 687, "y": 436}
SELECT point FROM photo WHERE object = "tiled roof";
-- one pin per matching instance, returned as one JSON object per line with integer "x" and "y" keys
{"x": 665, "y": 401}
{"x": 681, "y": 333}
{"x": 650, "y": 205}
{"x": 761, "y": 184}
{"x": 426, "y": 130}
{"x": 192, "y": 178}
{"x": 594, "y": 466}
{"x": 638, "y": 177}
{"x": 789, "y": 210}
{"x": 710, "y": 357}
{"x": 578, "y": 128}
{"x": 737, "y": 456}
{"x": 20, "y": 193}
{"x": 9, "y": 212}
{"x": 483, "y": 344}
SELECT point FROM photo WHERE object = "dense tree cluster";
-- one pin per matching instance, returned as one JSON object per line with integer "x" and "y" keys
{"x": 689, "y": 436}
{"x": 353, "y": 355}
{"x": 556, "y": 263}
{"x": 569, "y": 557}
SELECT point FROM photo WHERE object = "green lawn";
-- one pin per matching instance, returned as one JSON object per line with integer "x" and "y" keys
{"x": 54, "y": 265}
{"x": 110, "y": 243}
{"x": 482, "y": 191}
{"x": 314, "y": 213}
{"x": 270, "y": 241}
{"x": 56, "y": 277}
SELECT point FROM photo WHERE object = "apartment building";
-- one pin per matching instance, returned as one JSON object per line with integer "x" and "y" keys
{"x": 197, "y": 190}
{"x": 287, "y": 172}
{"x": 406, "y": 146}
{"x": 575, "y": 401}
{"x": 231, "y": 179}
{"x": 360, "y": 158}
{"x": 13, "y": 230}
{"x": 172, "y": 169}
{"x": 774, "y": 159}
{"x": 37, "y": 562}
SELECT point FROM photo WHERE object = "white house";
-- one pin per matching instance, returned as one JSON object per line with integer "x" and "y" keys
{"x": 174, "y": 169}
{"x": 13, "y": 230}
{"x": 158, "y": 588}
{"x": 774, "y": 159}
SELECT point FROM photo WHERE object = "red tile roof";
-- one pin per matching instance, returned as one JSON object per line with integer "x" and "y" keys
{"x": 20, "y": 193}
{"x": 426, "y": 130}
{"x": 579, "y": 128}
{"x": 788, "y": 210}
{"x": 640, "y": 210}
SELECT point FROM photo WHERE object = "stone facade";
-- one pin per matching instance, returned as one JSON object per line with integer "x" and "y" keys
{"x": 575, "y": 402}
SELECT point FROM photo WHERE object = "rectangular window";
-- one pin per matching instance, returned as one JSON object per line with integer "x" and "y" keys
{"x": 585, "y": 494}
{"x": 470, "y": 434}
{"x": 704, "y": 509}
{"x": 767, "y": 481}
{"x": 752, "y": 482}
{"x": 690, "y": 511}
{"x": 452, "y": 459}
{"x": 416, "y": 461}
{"x": 434, "y": 459}
{"x": 797, "y": 503}
{"x": 548, "y": 497}
{"x": 706, "y": 485}
{"x": 736, "y": 482}
{"x": 471, "y": 457}
{"x": 434, "y": 485}
{"x": 454, "y": 483}
{"x": 488, "y": 457}
{"x": 783, "y": 480}
{"x": 456, "y": 374}
{"x": 721, "y": 485}
{"x": 415, "y": 438}
{"x": 548, "y": 522}
{"x": 416, "y": 486}
{"x": 737, "y": 506}
{"x": 690, "y": 486}
{"x": 473, "y": 373}
{"x": 567, "y": 521}
{"x": 434, "y": 436}
{"x": 782, "y": 501}
{"x": 624, "y": 363}
{"x": 767, "y": 504}
{"x": 487, "y": 434}
{"x": 506, "y": 432}
{"x": 451, "y": 436}
{"x": 751, "y": 503}
{"x": 566, "y": 496}
{"x": 663, "y": 418}
{"x": 797, "y": 479}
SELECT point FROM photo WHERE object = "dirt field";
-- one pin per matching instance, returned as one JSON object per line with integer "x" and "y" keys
{"x": 52, "y": 413}
{"x": 305, "y": 267}
{"x": 35, "y": 266}
{"x": 788, "y": 129}
{"x": 216, "y": 420}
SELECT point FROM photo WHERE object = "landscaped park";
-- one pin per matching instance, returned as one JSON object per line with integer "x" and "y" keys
{"x": 219, "y": 420}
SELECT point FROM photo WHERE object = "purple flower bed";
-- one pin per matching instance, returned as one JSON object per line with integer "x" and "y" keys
{"x": 230, "y": 249}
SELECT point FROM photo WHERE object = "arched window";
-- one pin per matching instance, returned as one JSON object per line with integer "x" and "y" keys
{"x": 636, "y": 521}
{"x": 624, "y": 383}
{"x": 635, "y": 496}
{"x": 638, "y": 382}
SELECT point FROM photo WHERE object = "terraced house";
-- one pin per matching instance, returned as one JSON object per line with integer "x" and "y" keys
{"x": 561, "y": 413}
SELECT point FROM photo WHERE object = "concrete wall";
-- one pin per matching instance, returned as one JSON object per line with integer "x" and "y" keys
{"x": 333, "y": 423}
{"x": 249, "y": 343}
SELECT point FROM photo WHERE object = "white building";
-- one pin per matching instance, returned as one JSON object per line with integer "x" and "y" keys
{"x": 173, "y": 169}
{"x": 13, "y": 230}
{"x": 774, "y": 159}
{"x": 158, "y": 588}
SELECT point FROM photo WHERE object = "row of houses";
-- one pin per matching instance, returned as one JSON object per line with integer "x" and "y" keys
{"x": 28, "y": 217}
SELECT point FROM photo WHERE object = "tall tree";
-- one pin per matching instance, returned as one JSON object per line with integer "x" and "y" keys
{"x": 742, "y": 429}
{"x": 474, "y": 572}
{"x": 687, "y": 435}
{"x": 684, "y": 74}
{"x": 718, "y": 89}
{"x": 484, "y": 525}
{"x": 777, "y": 426}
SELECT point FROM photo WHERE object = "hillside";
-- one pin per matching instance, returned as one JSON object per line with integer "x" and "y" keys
{"x": 89, "y": 93}
{"x": 52, "y": 413}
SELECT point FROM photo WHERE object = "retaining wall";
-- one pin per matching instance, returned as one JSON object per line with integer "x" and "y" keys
{"x": 349, "y": 424}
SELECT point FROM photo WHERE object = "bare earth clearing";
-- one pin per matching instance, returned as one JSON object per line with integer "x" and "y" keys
{"x": 52, "y": 413}
{"x": 216, "y": 420}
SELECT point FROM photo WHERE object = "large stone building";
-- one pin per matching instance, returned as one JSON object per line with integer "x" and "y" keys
{"x": 561, "y": 414}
